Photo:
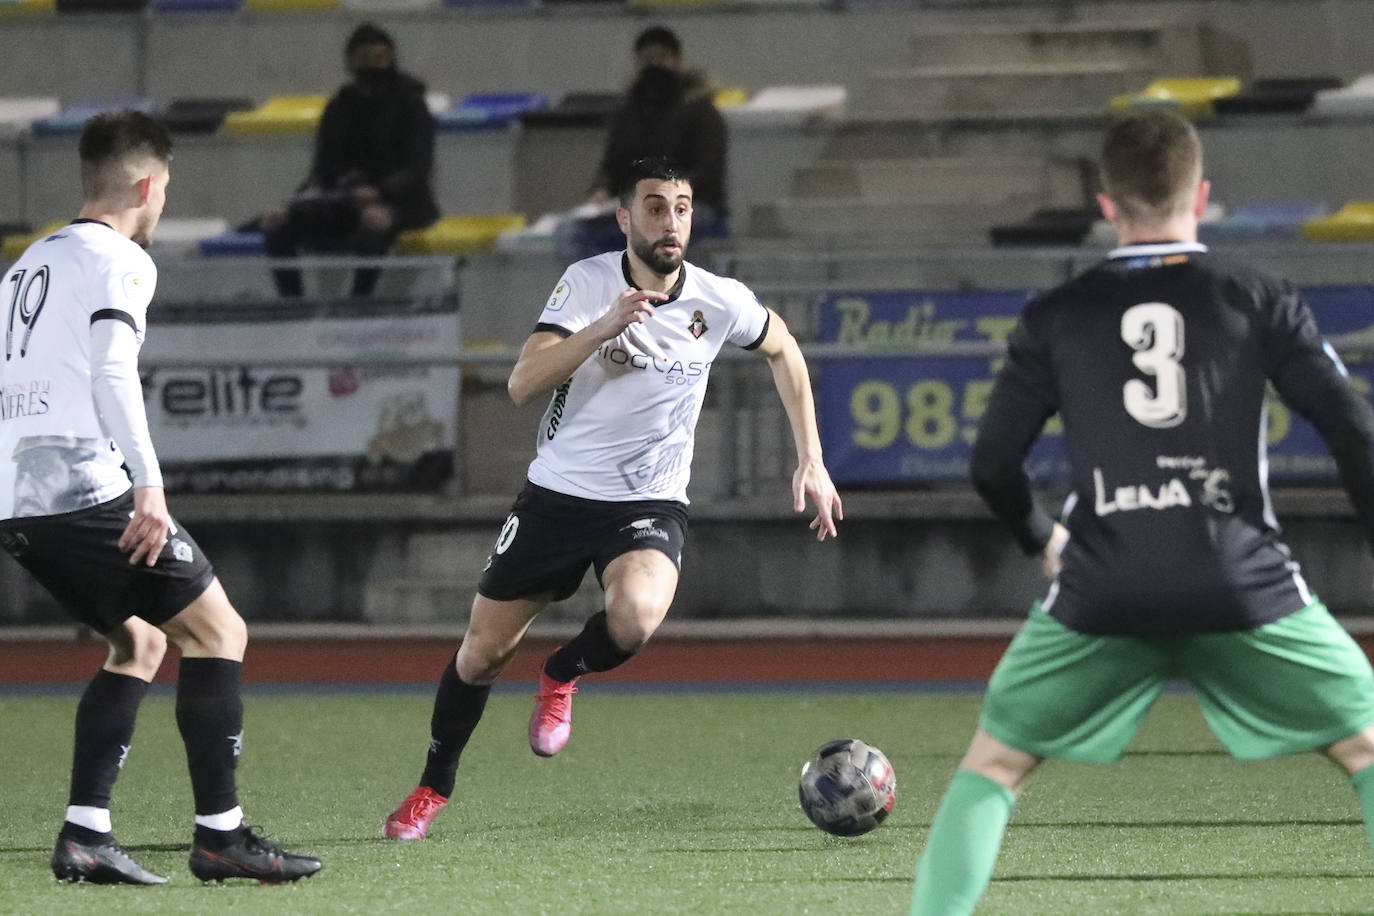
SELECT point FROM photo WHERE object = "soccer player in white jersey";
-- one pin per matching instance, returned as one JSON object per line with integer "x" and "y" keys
{"x": 73, "y": 433}
{"x": 625, "y": 345}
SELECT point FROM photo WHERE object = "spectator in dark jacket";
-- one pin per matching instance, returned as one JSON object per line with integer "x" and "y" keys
{"x": 370, "y": 177}
{"x": 668, "y": 112}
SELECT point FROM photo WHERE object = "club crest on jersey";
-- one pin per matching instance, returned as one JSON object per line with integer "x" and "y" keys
{"x": 697, "y": 325}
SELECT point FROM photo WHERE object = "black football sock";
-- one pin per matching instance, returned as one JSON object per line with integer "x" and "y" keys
{"x": 458, "y": 707}
{"x": 84, "y": 835}
{"x": 591, "y": 650}
{"x": 104, "y": 732}
{"x": 210, "y": 717}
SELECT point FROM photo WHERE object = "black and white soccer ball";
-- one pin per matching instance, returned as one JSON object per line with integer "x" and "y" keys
{"x": 848, "y": 788}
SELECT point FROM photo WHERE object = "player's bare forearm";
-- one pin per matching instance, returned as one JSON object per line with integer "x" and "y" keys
{"x": 547, "y": 359}
{"x": 793, "y": 382}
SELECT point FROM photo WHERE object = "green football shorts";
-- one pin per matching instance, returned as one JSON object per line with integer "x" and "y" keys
{"x": 1293, "y": 685}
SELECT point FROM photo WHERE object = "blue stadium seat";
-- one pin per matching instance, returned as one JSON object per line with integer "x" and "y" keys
{"x": 234, "y": 245}
{"x": 489, "y": 110}
{"x": 1273, "y": 220}
{"x": 73, "y": 117}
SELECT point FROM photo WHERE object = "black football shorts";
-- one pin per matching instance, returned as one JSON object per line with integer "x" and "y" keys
{"x": 549, "y": 539}
{"x": 76, "y": 557}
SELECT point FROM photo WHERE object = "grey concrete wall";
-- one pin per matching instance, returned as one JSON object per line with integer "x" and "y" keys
{"x": 900, "y": 556}
{"x": 556, "y": 49}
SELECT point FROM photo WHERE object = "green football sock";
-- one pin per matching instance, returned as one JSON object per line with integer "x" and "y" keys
{"x": 1364, "y": 785}
{"x": 962, "y": 848}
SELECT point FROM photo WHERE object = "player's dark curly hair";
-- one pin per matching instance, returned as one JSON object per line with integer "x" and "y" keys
{"x": 657, "y": 167}
{"x": 116, "y": 136}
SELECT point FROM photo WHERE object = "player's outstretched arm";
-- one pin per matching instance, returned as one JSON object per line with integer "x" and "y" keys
{"x": 547, "y": 359}
{"x": 793, "y": 381}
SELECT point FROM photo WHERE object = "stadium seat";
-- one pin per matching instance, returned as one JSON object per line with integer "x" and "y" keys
{"x": 289, "y": 6}
{"x": 1047, "y": 226}
{"x": 789, "y": 105}
{"x": 285, "y": 114}
{"x": 184, "y": 235}
{"x": 730, "y": 96}
{"x": 1353, "y": 222}
{"x": 387, "y": 6}
{"x": 458, "y": 234}
{"x": 100, "y": 6}
{"x": 1280, "y": 95}
{"x": 490, "y": 110}
{"x": 20, "y": 8}
{"x": 233, "y": 245}
{"x": 17, "y": 114}
{"x": 1275, "y": 220}
{"x": 14, "y": 244}
{"x": 1192, "y": 96}
{"x": 471, "y": 4}
{"x": 1355, "y": 99}
{"x": 73, "y": 117}
{"x": 195, "y": 6}
{"x": 576, "y": 109}
{"x": 200, "y": 116}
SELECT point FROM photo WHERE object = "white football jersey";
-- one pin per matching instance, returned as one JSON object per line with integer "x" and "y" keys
{"x": 55, "y": 455}
{"x": 622, "y": 427}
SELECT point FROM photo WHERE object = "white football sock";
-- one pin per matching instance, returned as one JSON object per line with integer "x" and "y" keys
{"x": 97, "y": 819}
{"x": 225, "y": 820}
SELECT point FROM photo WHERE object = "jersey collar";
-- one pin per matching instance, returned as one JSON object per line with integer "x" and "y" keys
{"x": 98, "y": 222}
{"x": 1156, "y": 249}
{"x": 672, "y": 293}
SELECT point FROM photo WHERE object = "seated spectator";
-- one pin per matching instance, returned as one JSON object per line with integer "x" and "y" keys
{"x": 668, "y": 111}
{"x": 370, "y": 177}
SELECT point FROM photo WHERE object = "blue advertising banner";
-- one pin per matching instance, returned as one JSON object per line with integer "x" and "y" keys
{"x": 888, "y": 418}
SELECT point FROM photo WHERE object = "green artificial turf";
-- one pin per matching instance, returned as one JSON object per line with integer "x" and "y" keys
{"x": 686, "y": 803}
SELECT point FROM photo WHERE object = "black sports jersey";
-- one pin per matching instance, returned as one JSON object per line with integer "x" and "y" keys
{"x": 1157, "y": 360}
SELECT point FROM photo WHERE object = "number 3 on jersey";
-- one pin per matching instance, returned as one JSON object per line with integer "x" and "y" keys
{"x": 25, "y": 304}
{"x": 1155, "y": 331}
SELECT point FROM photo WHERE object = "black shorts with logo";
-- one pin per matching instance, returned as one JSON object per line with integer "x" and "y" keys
{"x": 76, "y": 557}
{"x": 549, "y": 539}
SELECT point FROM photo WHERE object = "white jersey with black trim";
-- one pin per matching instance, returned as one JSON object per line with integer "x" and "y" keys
{"x": 622, "y": 427}
{"x": 56, "y": 456}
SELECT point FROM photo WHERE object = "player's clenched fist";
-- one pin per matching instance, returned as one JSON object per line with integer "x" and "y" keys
{"x": 630, "y": 307}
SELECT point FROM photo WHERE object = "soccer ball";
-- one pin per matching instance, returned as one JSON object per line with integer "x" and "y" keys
{"x": 848, "y": 788}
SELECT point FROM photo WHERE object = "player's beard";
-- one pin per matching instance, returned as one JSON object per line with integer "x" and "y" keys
{"x": 656, "y": 260}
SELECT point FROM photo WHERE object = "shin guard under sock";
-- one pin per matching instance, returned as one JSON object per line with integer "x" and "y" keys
{"x": 209, "y": 712}
{"x": 591, "y": 650}
{"x": 458, "y": 707}
{"x": 104, "y": 732}
{"x": 962, "y": 847}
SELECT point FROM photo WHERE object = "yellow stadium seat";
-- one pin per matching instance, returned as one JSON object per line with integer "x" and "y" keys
{"x": 285, "y": 114}
{"x": 1352, "y": 223}
{"x": 1191, "y": 96}
{"x": 18, "y": 8}
{"x": 289, "y": 6}
{"x": 458, "y": 234}
{"x": 13, "y": 245}
{"x": 730, "y": 96}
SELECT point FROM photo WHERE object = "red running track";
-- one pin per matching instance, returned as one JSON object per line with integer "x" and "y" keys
{"x": 666, "y": 659}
